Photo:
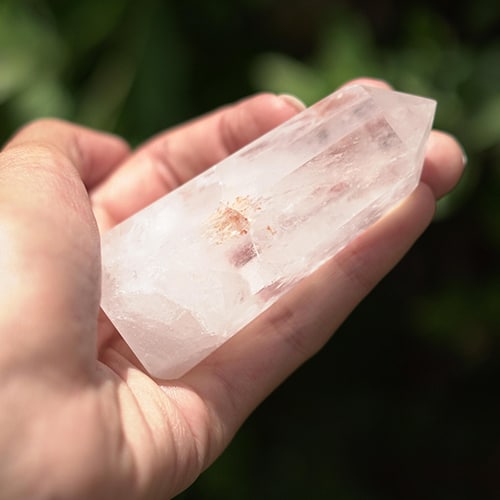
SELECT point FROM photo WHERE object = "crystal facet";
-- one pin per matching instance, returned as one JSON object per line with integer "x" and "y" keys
{"x": 188, "y": 272}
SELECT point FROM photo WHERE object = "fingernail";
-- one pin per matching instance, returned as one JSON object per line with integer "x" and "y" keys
{"x": 293, "y": 101}
{"x": 464, "y": 158}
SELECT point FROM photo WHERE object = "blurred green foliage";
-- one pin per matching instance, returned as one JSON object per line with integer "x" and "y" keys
{"x": 402, "y": 403}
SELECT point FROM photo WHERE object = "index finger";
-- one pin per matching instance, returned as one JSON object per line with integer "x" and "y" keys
{"x": 175, "y": 156}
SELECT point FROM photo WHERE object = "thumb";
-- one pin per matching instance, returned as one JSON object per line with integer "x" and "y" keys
{"x": 49, "y": 261}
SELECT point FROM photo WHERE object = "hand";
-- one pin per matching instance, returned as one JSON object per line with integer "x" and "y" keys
{"x": 79, "y": 418}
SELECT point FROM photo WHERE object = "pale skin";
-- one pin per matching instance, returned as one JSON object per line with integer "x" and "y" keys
{"x": 79, "y": 418}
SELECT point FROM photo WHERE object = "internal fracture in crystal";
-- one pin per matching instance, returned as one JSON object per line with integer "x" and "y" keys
{"x": 188, "y": 272}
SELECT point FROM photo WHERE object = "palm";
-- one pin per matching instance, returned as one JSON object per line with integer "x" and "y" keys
{"x": 138, "y": 437}
{"x": 179, "y": 403}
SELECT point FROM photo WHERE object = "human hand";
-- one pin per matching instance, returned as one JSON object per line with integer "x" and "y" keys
{"x": 79, "y": 418}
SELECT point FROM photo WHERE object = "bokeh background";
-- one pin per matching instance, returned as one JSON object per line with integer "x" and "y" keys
{"x": 404, "y": 401}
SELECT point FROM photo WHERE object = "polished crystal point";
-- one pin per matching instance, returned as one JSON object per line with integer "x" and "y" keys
{"x": 188, "y": 272}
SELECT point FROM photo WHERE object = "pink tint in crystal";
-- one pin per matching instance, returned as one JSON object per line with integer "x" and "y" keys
{"x": 188, "y": 272}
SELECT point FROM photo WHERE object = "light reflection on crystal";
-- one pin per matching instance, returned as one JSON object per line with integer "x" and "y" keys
{"x": 185, "y": 274}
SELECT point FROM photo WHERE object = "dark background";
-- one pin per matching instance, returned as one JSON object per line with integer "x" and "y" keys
{"x": 403, "y": 402}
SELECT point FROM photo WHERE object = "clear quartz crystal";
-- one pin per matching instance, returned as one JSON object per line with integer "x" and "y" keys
{"x": 186, "y": 273}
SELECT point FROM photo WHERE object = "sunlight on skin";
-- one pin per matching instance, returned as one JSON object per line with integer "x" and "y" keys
{"x": 86, "y": 421}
